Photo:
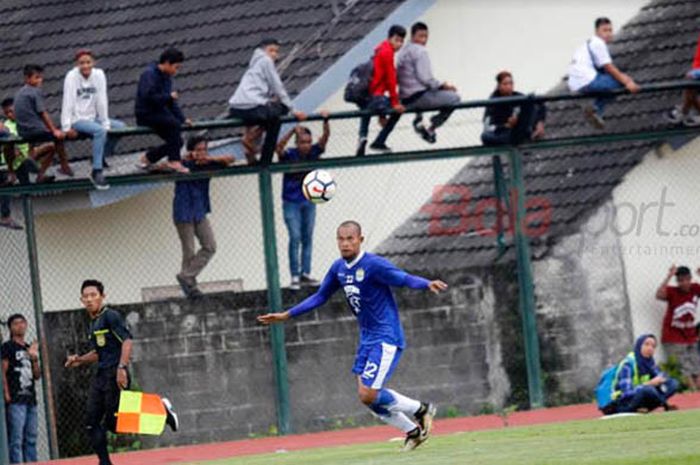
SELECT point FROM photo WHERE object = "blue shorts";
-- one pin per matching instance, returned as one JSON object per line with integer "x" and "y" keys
{"x": 375, "y": 363}
{"x": 694, "y": 74}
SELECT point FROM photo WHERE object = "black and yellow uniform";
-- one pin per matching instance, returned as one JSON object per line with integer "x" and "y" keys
{"x": 107, "y": 334}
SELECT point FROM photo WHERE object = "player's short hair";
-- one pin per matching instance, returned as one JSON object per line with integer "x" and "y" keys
{"x": 397, "y": 30}
{"x": 7, "y": 102}
{"x": 417, "y": 27}
{"x": 306, "y": 131}
{"x": 13, "y": 317}
{"x": 267, "y": 41}
{"x": 682, "y": 271}
{"x": 171, "y": 55}
{"x": 93, "y": 283}
{"x": 194, "y": 141}
{"x": 602, "y": 21}
{"x": 351, "y": 224}
{"x": 82, "y": 52}
{"x": 32, "y": 69}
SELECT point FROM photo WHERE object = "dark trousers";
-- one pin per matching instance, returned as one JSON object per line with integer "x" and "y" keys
{"x": 649, "y": 397}
{"x": 5, "y": 200}
{"x": 168, "y": 128}
{"x": 268, "y": 116}
{"x": 378, "y": 104}
{"x": 520, "y": 133}
{"x": 103, "y": 404}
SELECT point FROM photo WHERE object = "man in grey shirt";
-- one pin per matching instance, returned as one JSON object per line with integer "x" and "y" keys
{"x": 418, "y": 88}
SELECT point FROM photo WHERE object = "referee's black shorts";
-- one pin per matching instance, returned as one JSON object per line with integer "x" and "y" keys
{"x": 103, "y": 402}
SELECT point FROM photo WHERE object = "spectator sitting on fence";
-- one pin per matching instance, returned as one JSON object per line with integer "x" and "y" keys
{"x": 681, "y": 113}
{"x": 261, "y": 99}
{"x": 33, "y": 121}
{"x": 191, "y": 205}
{"x": 20, "y": 370}
{"x": 384, "y": 82}
{"x": 6, "y": 220}
{"x": 680, "y": 335}
{"x": 157, "y": 108}
{"x": 592, "y": 70}
{"x": 641, "y": 386}
{"x": 418, "y": 88}
{"x": 300, "y": 213}
{"x": 85, "y": 111}
{"x": 21, "y": 157}
{"x": 511, "y": 123}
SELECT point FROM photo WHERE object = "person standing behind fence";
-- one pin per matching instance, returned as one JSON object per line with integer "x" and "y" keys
{"x": 191, "y": 205}
{"x": 85, "y": 111}
{"x": 384, "y": 82}
{"x": 680, "y": 335}
{"x": 592, "y": 70}
{"x": 300, "y": 213}
{"x": 157, "y": 108}
{"x": 418, "y": 88}
{"x": 20, "y": 371}
{"x": 33, "y": 121}
{"x": 261, "y": 99}
{"x": 110, "y": 348}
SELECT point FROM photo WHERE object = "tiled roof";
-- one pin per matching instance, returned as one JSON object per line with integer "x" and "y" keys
{"x": 217, "y": 37}
{"x": 656, "y": 45}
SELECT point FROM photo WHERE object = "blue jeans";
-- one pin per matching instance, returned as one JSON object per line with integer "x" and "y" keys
{"x": 378, "y": 103}
{"x": 22, "y": 432}
{"x": 102, "y": 146}
{"x": 649, "y": 397}
{"x": 602, "y": 82}
{"x": 300, "y": 218}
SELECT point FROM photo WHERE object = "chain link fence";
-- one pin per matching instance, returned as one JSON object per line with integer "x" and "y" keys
{"x": 451, "y": 218}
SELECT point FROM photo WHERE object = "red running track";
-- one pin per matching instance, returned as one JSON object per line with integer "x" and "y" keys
{"x": 222, "y": 450}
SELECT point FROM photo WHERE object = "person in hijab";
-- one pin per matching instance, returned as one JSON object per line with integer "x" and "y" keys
{"x": 641, "y": 386}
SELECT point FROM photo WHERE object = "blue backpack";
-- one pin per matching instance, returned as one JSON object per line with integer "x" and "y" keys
{"x": 605, "y": 394}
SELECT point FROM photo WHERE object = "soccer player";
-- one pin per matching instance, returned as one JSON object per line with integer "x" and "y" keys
{"x": 366, "y": 280}
{"x": 110, "y": 341}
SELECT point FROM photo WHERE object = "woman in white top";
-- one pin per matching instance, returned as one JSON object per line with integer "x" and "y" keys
{"x": 85, "y": 111}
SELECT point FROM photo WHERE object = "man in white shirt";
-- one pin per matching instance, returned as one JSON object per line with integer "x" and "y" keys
{"x": 85, "y": 111}
{"x": 592, "y": 70}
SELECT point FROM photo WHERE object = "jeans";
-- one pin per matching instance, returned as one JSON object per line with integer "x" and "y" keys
{"x": 377, "y": 103}
{"x": 602, "y": 82}
{"x": 649, "y": 397}
{"x": 194, "y": 262}
{"x": 102, "y": 146}
{"x": 22, "y": 432}
{"x": 169, "y": 129}
{"x": 300, "y": 218}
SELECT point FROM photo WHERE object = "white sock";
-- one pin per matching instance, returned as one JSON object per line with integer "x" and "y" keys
{"x": 397, "y": 420}
{"x": 403, "y": 404}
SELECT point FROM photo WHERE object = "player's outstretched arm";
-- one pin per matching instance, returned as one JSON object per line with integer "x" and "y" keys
{"x": 437, "y": 286}
{"x": 270, "y": 318}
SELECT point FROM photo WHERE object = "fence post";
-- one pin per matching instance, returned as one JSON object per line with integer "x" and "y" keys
{"x": 274, "y": 293}
{"x": 526, "y": 291}
{"x": 4, "y": 450}
{"x": 39, "y": 321}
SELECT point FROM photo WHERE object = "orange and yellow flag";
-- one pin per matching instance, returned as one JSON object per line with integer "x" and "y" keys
{"x": 140, "y": 413}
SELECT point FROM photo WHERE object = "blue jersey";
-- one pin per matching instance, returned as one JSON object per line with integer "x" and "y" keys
{"x": 367, "y": 282}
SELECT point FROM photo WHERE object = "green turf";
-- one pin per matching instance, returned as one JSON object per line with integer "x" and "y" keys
{"x": 670, "y": 438}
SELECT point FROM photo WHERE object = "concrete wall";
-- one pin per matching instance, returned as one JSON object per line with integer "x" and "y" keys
{"x": 213, "y": 360}
{"x": 133, "y": 244}
{"x": 652, "y": 236}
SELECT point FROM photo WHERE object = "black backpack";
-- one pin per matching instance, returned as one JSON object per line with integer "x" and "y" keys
{"x": 357, "y": 88}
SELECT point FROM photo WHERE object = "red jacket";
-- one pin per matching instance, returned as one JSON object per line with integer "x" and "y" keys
{"x": 696, "y": 61}
{"x": 384, "y": 77}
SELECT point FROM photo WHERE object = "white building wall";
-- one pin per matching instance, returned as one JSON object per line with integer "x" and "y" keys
{"x": 658, "y": 220}
{"x": 133, "y": 244}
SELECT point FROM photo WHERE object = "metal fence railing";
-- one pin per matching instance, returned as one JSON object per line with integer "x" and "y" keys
{"x": 127, "y": 236}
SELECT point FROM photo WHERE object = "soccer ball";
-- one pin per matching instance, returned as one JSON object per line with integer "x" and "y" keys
{"x": 318, "y": 186}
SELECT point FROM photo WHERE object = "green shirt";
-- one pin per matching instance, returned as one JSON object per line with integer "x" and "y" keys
{"x": 21, "y": 150}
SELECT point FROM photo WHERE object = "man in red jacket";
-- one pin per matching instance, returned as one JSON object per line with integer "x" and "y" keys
{"x": 681, "y": 113}
{"x": 383, "y": 89}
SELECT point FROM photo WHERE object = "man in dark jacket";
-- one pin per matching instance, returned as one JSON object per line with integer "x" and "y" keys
{"x": 157, "y": 108}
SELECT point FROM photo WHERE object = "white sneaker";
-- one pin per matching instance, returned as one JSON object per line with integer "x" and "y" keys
{"x": 296, "y": 284}
{"x": 691, "y": 121}
{"x": 413, "y": 439}
{"x": 171, "y": 420}
{"x": 674, "y": 115}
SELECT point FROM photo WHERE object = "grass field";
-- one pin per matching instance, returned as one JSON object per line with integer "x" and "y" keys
{"x": 670, "y": 438}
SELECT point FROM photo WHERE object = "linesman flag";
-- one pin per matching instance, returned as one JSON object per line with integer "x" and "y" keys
{"x": 140, "y": 413}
